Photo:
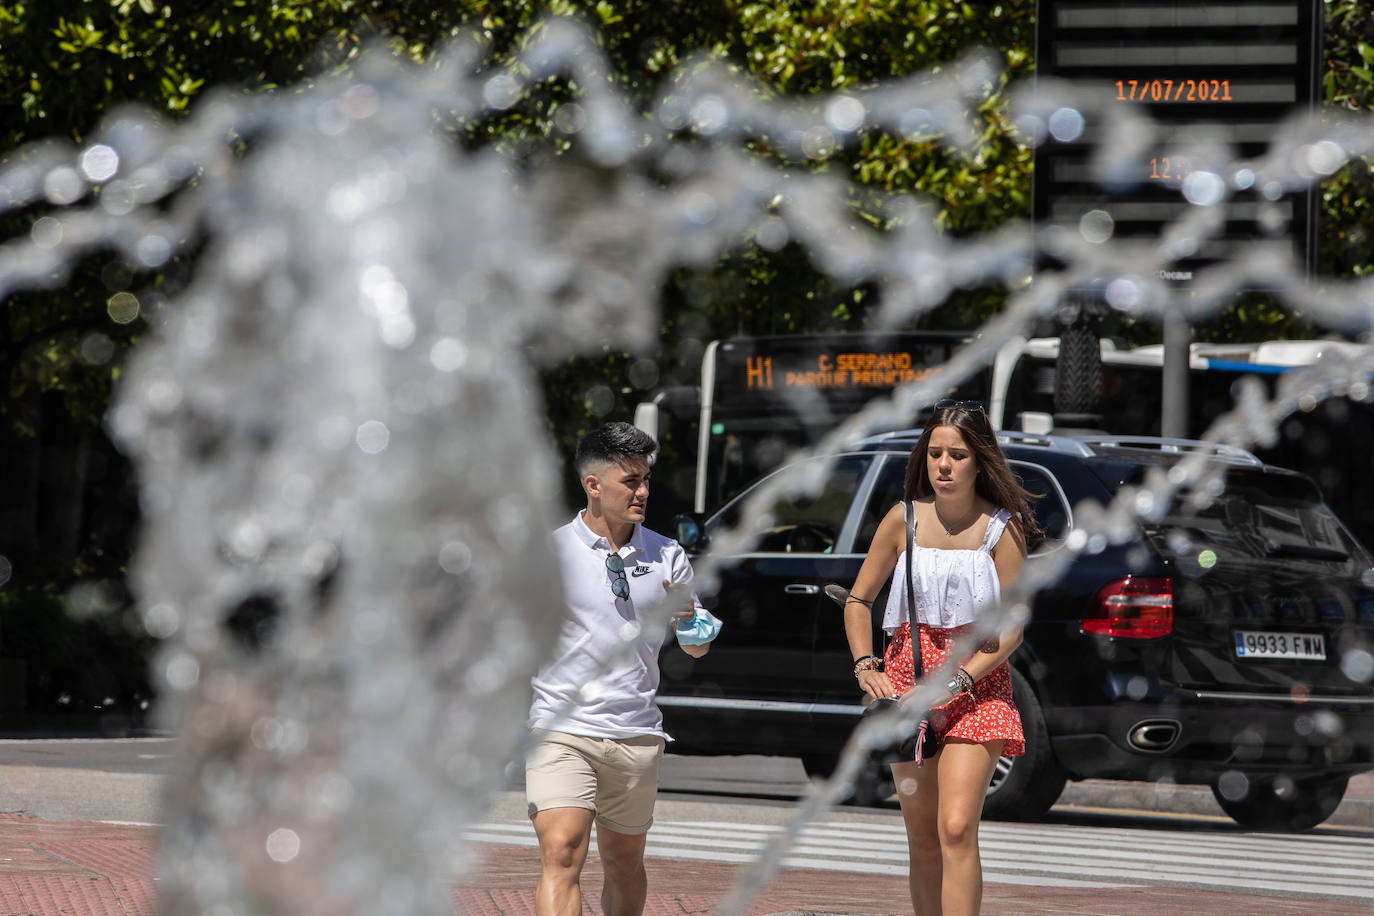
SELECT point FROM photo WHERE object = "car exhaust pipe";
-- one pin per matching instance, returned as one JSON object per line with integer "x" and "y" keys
{"x": 1154, "y": 735}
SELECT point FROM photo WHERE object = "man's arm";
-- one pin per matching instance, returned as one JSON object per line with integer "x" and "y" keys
{"x": 685, "y": 612}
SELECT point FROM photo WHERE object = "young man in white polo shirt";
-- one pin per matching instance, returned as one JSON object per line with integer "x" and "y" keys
{"x": 595, "y": 718}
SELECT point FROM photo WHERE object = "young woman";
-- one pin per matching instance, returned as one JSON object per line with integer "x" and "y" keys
{"x": 972, "y": 521}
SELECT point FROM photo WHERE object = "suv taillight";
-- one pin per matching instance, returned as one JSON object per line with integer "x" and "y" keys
{"x": 1133, "y": 608}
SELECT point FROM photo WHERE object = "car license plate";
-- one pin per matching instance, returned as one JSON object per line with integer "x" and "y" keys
{"x": 1259, "y": 644}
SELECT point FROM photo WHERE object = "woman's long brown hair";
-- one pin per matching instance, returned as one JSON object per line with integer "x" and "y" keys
{"x": 995, "y": 481}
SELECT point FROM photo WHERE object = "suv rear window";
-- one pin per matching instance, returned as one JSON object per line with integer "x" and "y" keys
{"x": 1262, "y": 516}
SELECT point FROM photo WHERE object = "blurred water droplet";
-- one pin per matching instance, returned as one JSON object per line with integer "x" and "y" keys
{"x": 320, "y": 559}
{"x": 373, "y": 437}
{"x": 1126, "y": 294}
{"x": 709, "y": 115}
{"x": 97, "y": 349}
{"x": 117, "y": 198}
{"x": 570, "y": 118}
{"x": 46, "y": 232}
{"x": 182, "y": 671}
{"x": 643, "y": 373}
{"x": 845, "y": 114}
{"x": 772, "y": 234}
{"x": 153, "y": 251}
{"x": 1328, "y": 723}
{"x": 915, "y": 122}
{"x": 99, "y": 162}
{"x": 1096, "y": 226}
{"x": 1325, "y": 157}
{"x": 248, "y": 540}
{"x": 122, "y": 307}
{"x": 361, "y": 101}
{"x": 161, "y": 620}
{"x": 455, "y": 557}
{"x": 599, "y": 400}
{"x": 699, "y": 207}
{"x": 63, "y": 185}
{"x": 1233, "y": 785}
{"x": 283, "y": 845}
{"x": 817, "y": 142}
{"x": 501, "y": 91}
{"x": 1066, "y": 124}
{"x": 1358, "y": 665}
{"x": 1204, "y": 189}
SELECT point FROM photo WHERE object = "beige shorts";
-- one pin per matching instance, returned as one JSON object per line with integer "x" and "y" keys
{"x": 615, "y": 777}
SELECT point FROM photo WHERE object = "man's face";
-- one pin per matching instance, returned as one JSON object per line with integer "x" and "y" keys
{"x": 624, "y": 490}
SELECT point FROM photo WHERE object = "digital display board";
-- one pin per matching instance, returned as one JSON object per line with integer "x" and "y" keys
{"x": 1241, "y": 68}
{"x": 851, "y": 368}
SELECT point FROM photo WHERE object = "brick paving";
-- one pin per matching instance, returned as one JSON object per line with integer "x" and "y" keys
{"x": 75, "y": 868}
{"x": 79, "y": 868}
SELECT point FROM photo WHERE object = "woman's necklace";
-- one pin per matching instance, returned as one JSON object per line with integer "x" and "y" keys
{"x": 949, "y": 529}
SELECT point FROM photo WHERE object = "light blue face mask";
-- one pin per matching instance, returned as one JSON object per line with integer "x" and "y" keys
{"x": 699, "y": 630}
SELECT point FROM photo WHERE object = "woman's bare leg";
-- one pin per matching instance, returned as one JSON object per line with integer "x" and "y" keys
{"x": 964, "y": 770}
{"x": 918, "y": 793}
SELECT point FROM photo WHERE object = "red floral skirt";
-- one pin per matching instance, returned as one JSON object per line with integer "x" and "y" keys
{"x": 988, "y": 715}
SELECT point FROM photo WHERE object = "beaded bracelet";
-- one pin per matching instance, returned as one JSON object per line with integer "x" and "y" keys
{"x": 965, "y": 680}
{"x": 867, "y": 663}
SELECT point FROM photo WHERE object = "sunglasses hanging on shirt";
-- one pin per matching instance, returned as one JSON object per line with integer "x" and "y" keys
{"x": 620, "y": 586}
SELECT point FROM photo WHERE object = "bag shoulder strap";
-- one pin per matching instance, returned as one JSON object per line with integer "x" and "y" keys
{"x": 910, "y": 512}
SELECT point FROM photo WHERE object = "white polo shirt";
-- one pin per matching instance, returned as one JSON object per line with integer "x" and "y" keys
{"x": 575, "y": 691}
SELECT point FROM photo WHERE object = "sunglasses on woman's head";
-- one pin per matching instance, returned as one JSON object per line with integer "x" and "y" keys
{"x": 620, "y": 586}
{"x": 951, "y": 404}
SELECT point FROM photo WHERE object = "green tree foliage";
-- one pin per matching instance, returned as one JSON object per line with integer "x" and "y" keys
{"x": 64, "y": 64}
{"x": 1348, "y": 85}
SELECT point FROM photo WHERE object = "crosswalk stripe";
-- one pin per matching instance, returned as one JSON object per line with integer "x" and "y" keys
{"x": 1035, "y": 854}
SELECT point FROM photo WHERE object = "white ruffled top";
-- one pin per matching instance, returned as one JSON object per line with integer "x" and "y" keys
{"x": 950, "y": 586}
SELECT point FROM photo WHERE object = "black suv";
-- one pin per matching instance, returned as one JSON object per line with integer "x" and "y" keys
{"x": 1229, "y": 645}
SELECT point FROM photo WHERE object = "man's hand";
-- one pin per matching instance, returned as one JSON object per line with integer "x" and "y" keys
{"x": 686, "y": 611}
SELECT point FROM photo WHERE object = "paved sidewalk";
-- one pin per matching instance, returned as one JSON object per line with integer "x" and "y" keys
{"x": 75, "y": 868}
{"x": 503, "y": 884}
{"x": 81, "y": 868}
{"x": 85, "y": 868}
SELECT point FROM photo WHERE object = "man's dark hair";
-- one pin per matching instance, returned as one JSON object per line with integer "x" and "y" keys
{"x": 612, "y": 443}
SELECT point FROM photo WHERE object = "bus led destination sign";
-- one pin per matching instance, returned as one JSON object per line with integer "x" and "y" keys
{"x": 840, "y": 370}
{"x": 844, "y": 370}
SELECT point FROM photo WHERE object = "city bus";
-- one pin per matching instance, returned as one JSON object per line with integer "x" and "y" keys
{"x": 762, "y": 397}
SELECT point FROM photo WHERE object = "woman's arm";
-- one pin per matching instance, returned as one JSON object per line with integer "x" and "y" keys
{"x": 1008, "y": 556}
{"x": 888, "y": 543}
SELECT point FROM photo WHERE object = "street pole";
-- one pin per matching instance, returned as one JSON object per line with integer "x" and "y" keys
{"x": 1178, "y": 335}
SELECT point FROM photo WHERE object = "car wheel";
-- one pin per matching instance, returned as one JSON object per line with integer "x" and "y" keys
{"x": 1026, "y": 786}
{"x": 1280, "y": 804}
{"x": 873, "y": 786}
